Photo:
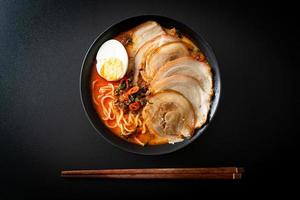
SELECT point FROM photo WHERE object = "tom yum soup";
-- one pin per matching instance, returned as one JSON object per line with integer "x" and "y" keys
{"x": 151, "y": 85}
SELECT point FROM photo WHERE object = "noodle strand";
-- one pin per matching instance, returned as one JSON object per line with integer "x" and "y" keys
{"x": 126, "y": 123}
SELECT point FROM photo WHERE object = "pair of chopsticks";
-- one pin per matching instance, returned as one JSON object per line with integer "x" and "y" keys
{"x": 224, "y": 173}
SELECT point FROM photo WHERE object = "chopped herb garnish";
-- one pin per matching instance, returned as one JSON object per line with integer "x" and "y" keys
{"x": 131, "y": 98}
{"x": 120, "y": 87}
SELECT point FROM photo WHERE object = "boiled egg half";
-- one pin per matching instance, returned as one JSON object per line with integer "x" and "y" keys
{"x": 112, "y": 60}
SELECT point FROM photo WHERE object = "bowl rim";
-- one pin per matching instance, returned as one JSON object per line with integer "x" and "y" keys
{"x": 215, "y": 100}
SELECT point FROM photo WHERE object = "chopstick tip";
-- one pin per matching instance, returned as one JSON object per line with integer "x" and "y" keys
{"x": 237, "y": 176}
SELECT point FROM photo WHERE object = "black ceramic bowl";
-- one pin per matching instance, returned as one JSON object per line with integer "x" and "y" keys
{"x": 85, "y": 83}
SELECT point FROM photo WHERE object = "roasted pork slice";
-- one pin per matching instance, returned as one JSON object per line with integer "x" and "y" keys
{"x": 144, "y": 33}
{"x": 187, "y": 66}
{"x": 147, "y": 48}
{"x": 189, "y": 88}
{"x": 162, "y": 55}
{"x": 170, "y": 115}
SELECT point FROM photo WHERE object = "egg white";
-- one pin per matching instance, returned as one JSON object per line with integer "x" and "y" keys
{"x": 112, "y": 49}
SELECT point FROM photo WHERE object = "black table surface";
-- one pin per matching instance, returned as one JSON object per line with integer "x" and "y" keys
{"x": 43, "y": 127}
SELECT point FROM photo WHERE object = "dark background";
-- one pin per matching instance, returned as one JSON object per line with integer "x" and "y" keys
{"x": 43, "y": 128}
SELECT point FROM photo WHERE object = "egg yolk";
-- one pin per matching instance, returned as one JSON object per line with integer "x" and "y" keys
{"x": 112, "y": 69}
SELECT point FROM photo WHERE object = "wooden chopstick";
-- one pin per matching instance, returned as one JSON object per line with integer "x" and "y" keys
{"x": 227, "y": 176}
{"x": 159, "y": 173}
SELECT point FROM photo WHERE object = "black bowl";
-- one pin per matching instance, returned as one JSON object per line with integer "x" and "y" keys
{"x": 86, "y": 73}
